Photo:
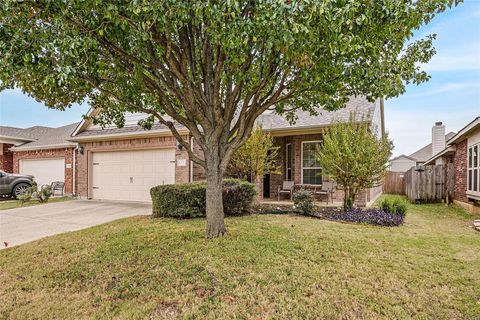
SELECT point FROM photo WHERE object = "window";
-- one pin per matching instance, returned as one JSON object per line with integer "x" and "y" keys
{"x": 311, "y": 169}
{"x": 288, "y": 162}
{"x": 473, "y": 183}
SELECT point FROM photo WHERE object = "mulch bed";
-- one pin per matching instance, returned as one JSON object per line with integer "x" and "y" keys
{"x": 373, "y": 216}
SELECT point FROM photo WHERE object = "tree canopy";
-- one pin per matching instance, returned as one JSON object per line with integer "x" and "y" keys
{"x": 212, "y": 66}
{"x": 355, "y": 155}
{"x": 255, "y": 158}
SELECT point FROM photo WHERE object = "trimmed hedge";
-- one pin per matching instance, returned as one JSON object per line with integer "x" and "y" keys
{"x": 188, "y": 200}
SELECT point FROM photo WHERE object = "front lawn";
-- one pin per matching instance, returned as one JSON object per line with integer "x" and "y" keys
{"x": 269, "y": 266}
{"x": 12, "y": 204}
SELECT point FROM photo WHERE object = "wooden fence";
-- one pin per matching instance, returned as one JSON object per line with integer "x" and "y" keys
{"x": 429, "y": 183}
{"x": 393, "y": 183}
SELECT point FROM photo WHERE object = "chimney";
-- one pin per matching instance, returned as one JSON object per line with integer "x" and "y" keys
{"x": 438, "y": 138}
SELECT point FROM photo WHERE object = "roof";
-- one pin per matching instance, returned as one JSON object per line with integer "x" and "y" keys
{"x": 447, "y": 151}
{"x": 402, "y": 156}
{"x": 464, "y": 131}
{"x": 269, "y": 122}
{"x": 363, "y": 109}
{"x": 47, "y": 138}
{"x": 156, "y": 129}
{"x": 425, "y": 153}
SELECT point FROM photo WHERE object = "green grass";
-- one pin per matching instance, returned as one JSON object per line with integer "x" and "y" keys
{"x": 12, "y": 204}
{"x": 269, "y": 266}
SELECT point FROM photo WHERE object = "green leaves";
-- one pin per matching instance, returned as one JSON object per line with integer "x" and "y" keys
{"x": 255, "y": 158}
{"x": 354, "y": 156}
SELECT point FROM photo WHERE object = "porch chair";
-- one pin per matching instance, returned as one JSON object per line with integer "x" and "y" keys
{"x": 287, "y": 188}
{"x": 325, "y": 189}
{"x": 57, "y": 186}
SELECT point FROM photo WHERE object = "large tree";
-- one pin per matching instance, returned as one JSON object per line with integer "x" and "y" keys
{"x": 212, "y": 66}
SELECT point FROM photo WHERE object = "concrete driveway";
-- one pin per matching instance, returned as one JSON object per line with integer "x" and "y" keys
{"x": 23, "y": 225}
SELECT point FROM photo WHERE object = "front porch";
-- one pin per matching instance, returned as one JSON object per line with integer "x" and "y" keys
{"x": 297, "y": 164}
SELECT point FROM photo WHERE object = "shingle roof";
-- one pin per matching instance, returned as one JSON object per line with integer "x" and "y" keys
{"x": 48, "y": 137}
{"x": 364, "y": 111}
{"x": 361, "y": 106}
{"x": 124, "y": 130}
{"x": 425, "y": 153}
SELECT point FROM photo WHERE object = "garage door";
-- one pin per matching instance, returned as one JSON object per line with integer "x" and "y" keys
{"x": 129, "y": 175}
{"x": 45, "y": 171}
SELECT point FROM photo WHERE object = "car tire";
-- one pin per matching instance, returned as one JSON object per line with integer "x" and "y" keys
{"x": 19, "y": 189}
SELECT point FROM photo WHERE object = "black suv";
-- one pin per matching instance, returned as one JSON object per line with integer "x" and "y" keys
{"x": 14, "y": 184}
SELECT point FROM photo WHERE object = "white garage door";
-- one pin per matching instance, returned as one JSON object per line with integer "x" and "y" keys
{"x": 129, "y": 175}
{"x": 45, "y": 171}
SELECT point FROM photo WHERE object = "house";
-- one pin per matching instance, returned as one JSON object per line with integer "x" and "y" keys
{"x": 462, "y": 149}
{"x": 40, "y": 151}
{"x": 403, "y": 162}
{"x": 113, "y": 163}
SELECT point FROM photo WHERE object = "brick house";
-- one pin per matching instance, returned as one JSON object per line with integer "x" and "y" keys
{"x": 463, "y": 149}
{"x": 124, "y": 163}
{"x": 40, "y": 151}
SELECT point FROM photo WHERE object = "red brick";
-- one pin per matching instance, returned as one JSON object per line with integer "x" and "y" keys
{"x": 6, "y": 158}
{"x": 66, "y": 153}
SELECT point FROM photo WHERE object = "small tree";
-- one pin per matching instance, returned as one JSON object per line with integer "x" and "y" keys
{"x": 354, "y": 156}
{"x": 256, "y": 158}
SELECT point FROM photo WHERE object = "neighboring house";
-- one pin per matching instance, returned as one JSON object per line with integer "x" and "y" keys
{"x": 403, "y": 162}
{"x": 42, "y": 152}
{"x": 124, "y": 163}
{"x": 463, "y": 149}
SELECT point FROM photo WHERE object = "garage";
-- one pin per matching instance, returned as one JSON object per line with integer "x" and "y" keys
{"x": 45, "y": 171}
{"x": 129, "y": 175}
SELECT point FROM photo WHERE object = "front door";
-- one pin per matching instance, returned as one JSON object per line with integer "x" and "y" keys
{"x": 266, "y": 186}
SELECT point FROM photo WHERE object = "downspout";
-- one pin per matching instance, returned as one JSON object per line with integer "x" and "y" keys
{"x": 191, "y": 162}
{"x": 74, "y": 189}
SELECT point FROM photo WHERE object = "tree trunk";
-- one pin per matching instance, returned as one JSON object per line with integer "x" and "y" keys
{"x": 348, "y": 200}
{"x": 215, "y": 215}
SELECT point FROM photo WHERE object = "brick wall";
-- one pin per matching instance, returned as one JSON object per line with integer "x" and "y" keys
{"x": 182, "y": 173}
{"x": 198, "y": 170}
{"x": 66, "y": 153}
{"x": 460, "y": 165}
{"x": 276, "y": 180}
{"x": 6, "y": 157}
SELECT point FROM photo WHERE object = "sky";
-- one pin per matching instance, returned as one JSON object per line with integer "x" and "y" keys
{"x": 452, "y": 95}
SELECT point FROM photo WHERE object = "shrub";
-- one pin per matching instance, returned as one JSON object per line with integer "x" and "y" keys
{"x": 395, "y": 206}
{"x": 374, "y": 216}
{"x": 28, "y": 194}
{"x": 188, "y": 200}
{"x": 44, "y": 194}
{"x": 303, "y": 200}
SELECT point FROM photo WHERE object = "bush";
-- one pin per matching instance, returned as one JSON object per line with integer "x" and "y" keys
{"x": 395, "y": 206}
{"x": 374, "y": 216}
{"x": 44, "y": 194}
{"x": 28, "y": 194}
{"x": 303, "y": 200}
{"x": 188, "y": 200}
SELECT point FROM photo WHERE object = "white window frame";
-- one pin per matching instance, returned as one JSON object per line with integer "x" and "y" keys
{"x": 286, "y": 163}
{"x": 470, "y": 191}
{"x": 301, "y": 162}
